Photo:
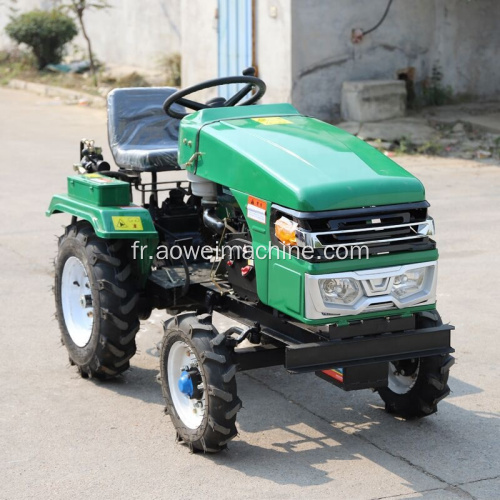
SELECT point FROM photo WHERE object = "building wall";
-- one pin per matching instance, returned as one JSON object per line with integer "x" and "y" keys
{"x": 199, "y": 43}
{"x": 273, "y": 42}
{"x": 132, "y": 33}
{"x": 460, "y": 36}
{"x": 273, "y": 36}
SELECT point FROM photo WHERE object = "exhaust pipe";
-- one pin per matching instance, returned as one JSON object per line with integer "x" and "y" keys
{"x": 212, "y": 221}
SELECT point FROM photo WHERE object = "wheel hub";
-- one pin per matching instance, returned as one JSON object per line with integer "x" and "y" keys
{"x": 86, "y": 301}
{"x": 190, "y": 383}
{"x": 403, "y": 375}
{"x": 76, "y": 301}
{"x": 186, "y": 385}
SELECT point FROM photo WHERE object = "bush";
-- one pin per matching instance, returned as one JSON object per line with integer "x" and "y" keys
{"x": 46, "y": 32}
{"x": 171, "y": 65}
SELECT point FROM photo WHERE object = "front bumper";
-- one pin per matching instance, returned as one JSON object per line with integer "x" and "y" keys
{"x": 375, "y": 291}
{"x": 415, "y": 343}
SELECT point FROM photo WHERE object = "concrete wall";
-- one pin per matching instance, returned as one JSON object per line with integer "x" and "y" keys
{"x": 273, "y": 45}
{"x": 132, "y": 33}
{"x": 462, "y": 37}
{"x": 199, "y": 43}
{"x": 274, "y": 48}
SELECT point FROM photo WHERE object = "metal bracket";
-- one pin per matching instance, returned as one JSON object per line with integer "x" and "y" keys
{"x": 193, "y": 158}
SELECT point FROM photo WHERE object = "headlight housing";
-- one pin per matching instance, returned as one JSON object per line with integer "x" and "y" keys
{"x": 355, "y": 292}
{"x": 339, "y": 290}
{"x": 409, "y": 283}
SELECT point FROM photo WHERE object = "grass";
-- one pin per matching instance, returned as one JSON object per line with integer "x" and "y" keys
{"x": 406, "y": 147}
{"x": 21, "y": 65}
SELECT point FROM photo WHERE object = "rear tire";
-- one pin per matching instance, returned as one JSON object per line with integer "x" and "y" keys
{"x": 417, "y": 386}
{"x": 205, "y": 421}
{"x": 96, "y": 301}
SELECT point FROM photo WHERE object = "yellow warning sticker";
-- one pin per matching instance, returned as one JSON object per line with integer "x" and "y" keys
{"x": 272, "y": 120}
{"x": 101, "y": 179}
{"x": 127, "y": 223}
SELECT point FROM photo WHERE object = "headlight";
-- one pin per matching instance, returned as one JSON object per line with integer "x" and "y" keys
{"x": 409, "y": 283}
{"x": 339, "y": 291}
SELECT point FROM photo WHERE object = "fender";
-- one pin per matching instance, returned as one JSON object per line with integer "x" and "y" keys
{"x": 87, "y": 199}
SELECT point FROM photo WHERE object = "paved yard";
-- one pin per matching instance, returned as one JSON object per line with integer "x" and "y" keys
{"x": 65, "y": 437}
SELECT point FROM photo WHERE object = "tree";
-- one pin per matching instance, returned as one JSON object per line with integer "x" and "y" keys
{"x": 78, "y": 8}
{"x": 46, "y": 32}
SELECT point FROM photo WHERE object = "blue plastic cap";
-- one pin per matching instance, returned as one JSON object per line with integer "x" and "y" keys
{"x": 186, "y": 384}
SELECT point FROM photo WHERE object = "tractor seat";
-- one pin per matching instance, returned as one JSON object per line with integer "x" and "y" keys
{"x": 141, "y": 136}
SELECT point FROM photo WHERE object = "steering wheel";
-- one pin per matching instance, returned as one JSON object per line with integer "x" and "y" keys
{"x": 248, "y": 78}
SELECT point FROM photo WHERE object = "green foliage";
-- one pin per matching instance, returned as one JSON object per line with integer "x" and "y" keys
{"x": 434, "y": 92}
{"x": 45, "y": 32}
{"x": 432, "y": 148}
{"x": 406, "y": 147}
{"x": 133, "y": 79}
{"x": 171, "y": 65}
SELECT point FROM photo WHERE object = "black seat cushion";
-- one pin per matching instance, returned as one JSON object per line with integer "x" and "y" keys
{"x": 141, "y": 136}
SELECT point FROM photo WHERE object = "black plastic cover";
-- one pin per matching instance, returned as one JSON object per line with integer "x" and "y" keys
{"x": 141, "y": 136}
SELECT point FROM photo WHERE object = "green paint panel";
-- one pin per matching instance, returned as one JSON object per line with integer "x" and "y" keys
{"x": 99, "y": 190}
{"x": 279, "y": 293}
{"x": 297, "y": 162}
{"x": 288, "y": 296}
{"x": 381, "y": 314}
{"x": 101, "y": 218}
{"x": 104, "y": 226}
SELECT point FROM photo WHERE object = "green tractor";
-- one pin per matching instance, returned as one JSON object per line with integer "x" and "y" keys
{"x": 315, "y": 245}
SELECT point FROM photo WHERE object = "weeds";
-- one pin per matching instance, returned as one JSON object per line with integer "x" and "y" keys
{"x": 434, "y": 92}
{"x": 405, "y": 147}
{"x": 171, "y": 66}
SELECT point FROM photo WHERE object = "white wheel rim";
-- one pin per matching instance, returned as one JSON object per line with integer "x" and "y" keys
{"x": 75, "y": 291}
{"x": 190, "y": 411}
{"x": 401, "y": 384}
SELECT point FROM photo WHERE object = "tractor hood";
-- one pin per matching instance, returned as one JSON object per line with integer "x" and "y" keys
{"x": 272, "y": 152}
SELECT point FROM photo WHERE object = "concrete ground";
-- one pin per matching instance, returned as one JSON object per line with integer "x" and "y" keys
{"x": 465, "y": 131}
{"x": 65, "y": 437}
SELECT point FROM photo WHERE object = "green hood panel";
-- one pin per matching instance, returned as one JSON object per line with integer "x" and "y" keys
{"x": 297, "y": 162}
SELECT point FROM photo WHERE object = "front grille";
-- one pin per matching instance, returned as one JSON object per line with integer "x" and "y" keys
{"x": 371, "y": 230}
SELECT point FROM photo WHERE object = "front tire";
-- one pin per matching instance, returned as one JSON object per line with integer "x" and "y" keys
{"x": 416, "y": 386}
{"x": 96, "y": 301}
{"x": 198, "y": 382}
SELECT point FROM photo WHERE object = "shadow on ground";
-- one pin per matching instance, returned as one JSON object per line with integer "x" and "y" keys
{"x": 310, "y": 424}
